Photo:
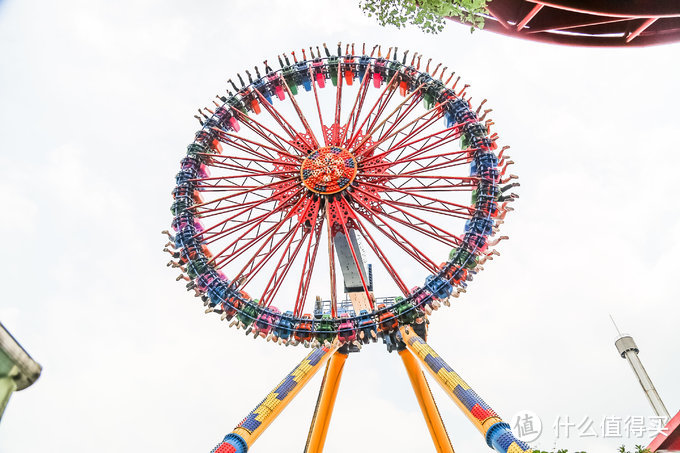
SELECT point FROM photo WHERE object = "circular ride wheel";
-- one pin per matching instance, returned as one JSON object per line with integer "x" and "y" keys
{"x": 291, "y": 178}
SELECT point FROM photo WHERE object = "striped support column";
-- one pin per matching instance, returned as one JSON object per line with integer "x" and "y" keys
{"x": 496, "y": 432}
{"x": 247, "y": 432}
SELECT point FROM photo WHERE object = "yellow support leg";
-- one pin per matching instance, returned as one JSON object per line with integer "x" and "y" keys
{"x": 325, "y": 403}
{"x": 496, "y": 432}
{"x": 427, "y": 405}
{"x": 247, "y": 432}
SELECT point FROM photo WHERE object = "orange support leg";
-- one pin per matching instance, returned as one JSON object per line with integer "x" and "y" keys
{"x": 427, "y": 405}
{"x": 325, "y": 403}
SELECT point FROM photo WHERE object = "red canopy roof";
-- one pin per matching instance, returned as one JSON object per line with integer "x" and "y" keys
{"x": 669, "y": 440}
{"x": 604, "y": 23}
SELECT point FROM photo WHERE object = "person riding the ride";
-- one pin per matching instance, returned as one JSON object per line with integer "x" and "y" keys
{"x": 387, "y": 322}
{"x": 325, "y": 330}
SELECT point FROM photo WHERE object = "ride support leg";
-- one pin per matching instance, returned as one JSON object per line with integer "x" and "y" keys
{"x": 324, "y": 405}
{"x": 496, "y": 432}
{"x": 427, "y": 404}
{"x": 259, "y": 419}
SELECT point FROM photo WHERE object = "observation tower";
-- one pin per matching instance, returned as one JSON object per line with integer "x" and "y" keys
{"x": 629, "y": 351}
{"x": 669, "y": 437}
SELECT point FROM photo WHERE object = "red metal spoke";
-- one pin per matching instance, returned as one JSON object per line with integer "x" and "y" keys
{"x": 437, "y": 233}
{"x": 379, "y": 104}
{"x": 461, "y": 156}
{"x": 282, "y": 205}
{"x": 390, "y": 88}
{"x": 246, "y": 175}
{"x": 221, "y": 210}
{"x": 438, "y": 166}
{"x": 234, "y": 205}
{"x": 278, "y": 143}
{"x": 459, "y": 213}
{"x": 252, "y": 268}
{"x": 280, "y": 119}
{"x": 254, "y": 222}
{"x": 411, "y": 101}
{"x": 431, "y": 186}
{"x": 250, "y": 165}
{"x": 269, "y": 294}
{"x": 332, "y": 133}
{"x": 290, "y": 235}
{"x": 392, "y": 134}
{"x": 277, "y": 279}
{"x": 424, "y": 182}
{"x": 355, "y": 112}
{"x": 250, "y": 171}
{"x": 231, "y": 186}
{"x": 268, "y": 235}
{"x": 250, "y": 189}
{"x": 411, "y": 175}
{"x": 263, "y": 131}
{"x": 391, "y": 271}
{"x": 307, "y": 269}
{"x": 248, "y": 221}
{"x": 318, "y": 106}
{"x": 450, "y": 207}
{"x": 303, "y": 119}
{"x": 226, "y": 186}
{"x": 272, "y": 137}
{"x": 401, "y": 114}
{"x": 437, "y": 112}
{"x": 343, "y": 225}
{"x": 215, "y": 157}
{"x": 244, "y": 144}
{"x": 331, "y": 265}
{"x": 338, "y": 98}
{"x": 223, "y": 232}
{"x": 414, "y": 132}
{"x": 460, "y": 187}
{"x": 450, "y": 134}
{"x": 233, "y": 249}
{"x": 397, "y": 238}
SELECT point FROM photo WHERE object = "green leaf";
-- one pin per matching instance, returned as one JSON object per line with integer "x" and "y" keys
{"x": 428, "y": 15}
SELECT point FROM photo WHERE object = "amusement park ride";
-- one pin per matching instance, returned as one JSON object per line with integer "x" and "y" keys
{"x": 335, "y": 161}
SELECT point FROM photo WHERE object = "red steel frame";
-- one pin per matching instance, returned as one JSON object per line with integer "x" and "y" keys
{"x": 598, "y": 23}
{"x": 267, "y": 213}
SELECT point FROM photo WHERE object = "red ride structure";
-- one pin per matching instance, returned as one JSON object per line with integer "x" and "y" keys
{"x": 594, "y": 23}
{"x": 292, "y": 188}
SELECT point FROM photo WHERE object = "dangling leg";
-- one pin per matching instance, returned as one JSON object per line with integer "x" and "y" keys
{"x": 243, "y": 436}
{"x": 496, "y": 432}
{"x": 427, "y": 405}
{"x": 325, "y": 403}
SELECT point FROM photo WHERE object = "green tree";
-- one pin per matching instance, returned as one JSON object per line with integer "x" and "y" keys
{"x": 428, "y": 15}
{"x": 558, "y": 451}
{"x": 638, "y": 449}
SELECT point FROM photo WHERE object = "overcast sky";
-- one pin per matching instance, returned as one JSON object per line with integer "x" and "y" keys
{"x": 96, "y": 105}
